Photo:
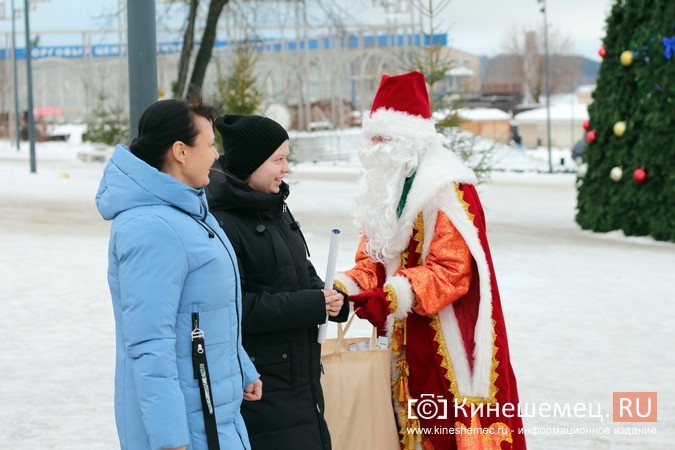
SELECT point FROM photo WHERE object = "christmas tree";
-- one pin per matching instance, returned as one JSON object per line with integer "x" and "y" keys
{"x": 629, "y": 183}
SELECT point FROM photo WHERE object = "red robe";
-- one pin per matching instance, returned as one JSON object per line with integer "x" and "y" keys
{"x": 446, "y": 326}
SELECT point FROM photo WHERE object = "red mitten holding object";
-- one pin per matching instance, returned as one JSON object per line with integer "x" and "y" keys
{"x": 372, "y": 306}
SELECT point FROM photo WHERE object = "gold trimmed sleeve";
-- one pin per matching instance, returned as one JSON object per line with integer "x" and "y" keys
{"x": 364, "y": 273}
{"x": 391, "y": 297}
{"x": 446, "y": 273}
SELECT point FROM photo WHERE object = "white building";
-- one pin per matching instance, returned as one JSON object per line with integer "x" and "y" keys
{"x": 566, "y": 125}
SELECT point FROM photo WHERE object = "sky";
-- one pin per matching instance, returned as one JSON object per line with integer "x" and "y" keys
{"x": 474, "y": 26}
{"x": 480, "y": 26}
{"x": 587, "y": 314}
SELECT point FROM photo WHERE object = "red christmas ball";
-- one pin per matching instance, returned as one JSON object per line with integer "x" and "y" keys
{"x": 602, "y": 51}
{"x": 639, "y": 175}
{"x": 586, "y": 124}
{"x": 590, "y": 136}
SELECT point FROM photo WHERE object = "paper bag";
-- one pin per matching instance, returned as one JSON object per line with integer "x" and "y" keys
{"x": 357, "y": 392}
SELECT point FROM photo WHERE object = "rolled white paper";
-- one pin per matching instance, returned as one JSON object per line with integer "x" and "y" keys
{"x": 330, "y": 276}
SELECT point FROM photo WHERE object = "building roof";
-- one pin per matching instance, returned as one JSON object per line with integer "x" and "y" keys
{"x": 482, "y": 114}
{"x": 561, "y": 112}
{"x": 473, "y": 114}
{"x": 460, "y": 71}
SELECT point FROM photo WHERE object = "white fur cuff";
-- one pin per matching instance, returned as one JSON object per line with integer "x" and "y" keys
{"x": 350, "y": 285}
{"x": 405, "y": 297}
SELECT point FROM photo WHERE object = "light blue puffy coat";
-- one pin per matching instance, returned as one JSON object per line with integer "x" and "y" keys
{"x": 168, "y": 258}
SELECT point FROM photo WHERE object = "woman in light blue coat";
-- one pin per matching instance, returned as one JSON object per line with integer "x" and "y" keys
{"x": 169, "y": 264}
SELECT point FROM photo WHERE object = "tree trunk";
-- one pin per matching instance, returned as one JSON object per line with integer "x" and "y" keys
{"x": 186, "y": 52}
{"x": 533, "y": 65}
{"x": 208, "y": 39}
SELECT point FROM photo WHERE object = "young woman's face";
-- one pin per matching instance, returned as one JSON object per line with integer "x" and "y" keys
{"x": 267, "y": 178}
{"x": 201, "y": 155}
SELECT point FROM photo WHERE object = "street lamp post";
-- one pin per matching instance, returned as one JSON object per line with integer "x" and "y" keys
{"x": 547, "y": 87}
{"x": 16, "y": 81}
{"x": 29, "y": 80}
{"x": 142, "y": 57}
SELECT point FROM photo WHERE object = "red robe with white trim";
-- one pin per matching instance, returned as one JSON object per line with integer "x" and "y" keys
{"x": 446, "y": 326}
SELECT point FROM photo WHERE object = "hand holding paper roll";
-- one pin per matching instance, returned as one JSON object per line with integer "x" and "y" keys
{"x": 334, "y": 302}
{"x": 330, "y": 275}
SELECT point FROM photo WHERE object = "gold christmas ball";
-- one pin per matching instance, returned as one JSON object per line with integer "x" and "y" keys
{"x": 620, "y": 128}
{"x": 626, "y": 57}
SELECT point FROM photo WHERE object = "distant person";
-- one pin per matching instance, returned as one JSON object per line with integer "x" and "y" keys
{"x": 517, "y": 140}
{"x": 283, "y": 296}
{"x": 424, "y": 277}
{"x": 578, "y": 150}
{"x": 175, "y": 289}
{"x": 23, "y": 126}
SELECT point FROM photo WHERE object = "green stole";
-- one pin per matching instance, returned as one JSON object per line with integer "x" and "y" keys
{"x": 404, "y": 195}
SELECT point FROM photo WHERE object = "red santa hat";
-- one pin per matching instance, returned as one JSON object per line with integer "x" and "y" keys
{"x": 400, "y": 108}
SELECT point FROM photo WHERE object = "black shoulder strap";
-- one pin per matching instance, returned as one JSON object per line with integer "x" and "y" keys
{"x": 201, "y": 373}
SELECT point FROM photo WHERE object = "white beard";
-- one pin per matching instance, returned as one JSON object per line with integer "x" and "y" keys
{"x": 386, "y": 165}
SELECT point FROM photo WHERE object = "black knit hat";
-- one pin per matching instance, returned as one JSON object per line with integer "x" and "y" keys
{"x": 248, "y": 141}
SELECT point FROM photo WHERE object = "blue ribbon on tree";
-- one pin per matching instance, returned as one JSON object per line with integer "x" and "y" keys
{"x": 669, "y": 47}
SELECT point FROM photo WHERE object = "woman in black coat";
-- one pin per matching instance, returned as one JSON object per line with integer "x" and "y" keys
{"x": 283, "y": 297}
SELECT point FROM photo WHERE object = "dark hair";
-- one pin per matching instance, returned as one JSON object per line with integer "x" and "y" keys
{"x": 165, "y": 122}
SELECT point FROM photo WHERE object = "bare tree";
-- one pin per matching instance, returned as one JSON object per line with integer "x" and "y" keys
{"x": 527, "y": 59}
{"x": 201, "y": 62}
{"x": 434, "y": 61}
{"x": 186, "y": 51}
{"x": 208, "y": 40}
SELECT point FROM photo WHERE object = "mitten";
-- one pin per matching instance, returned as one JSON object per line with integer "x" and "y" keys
{"x": 372, "y": 306}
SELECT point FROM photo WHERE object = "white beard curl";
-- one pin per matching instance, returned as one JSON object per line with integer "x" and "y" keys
{"x": 386, "y": 165}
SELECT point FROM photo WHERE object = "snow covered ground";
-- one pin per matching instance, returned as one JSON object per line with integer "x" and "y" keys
{"x": 587, "y": 314}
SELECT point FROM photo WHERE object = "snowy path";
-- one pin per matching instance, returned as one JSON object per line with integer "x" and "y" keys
{"x": 587, "y": 314}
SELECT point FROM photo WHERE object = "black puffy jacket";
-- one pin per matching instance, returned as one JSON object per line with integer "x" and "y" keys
{"x": 282, "y": 306}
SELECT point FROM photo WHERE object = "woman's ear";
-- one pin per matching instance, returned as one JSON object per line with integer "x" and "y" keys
{"x": 179, "y": 152}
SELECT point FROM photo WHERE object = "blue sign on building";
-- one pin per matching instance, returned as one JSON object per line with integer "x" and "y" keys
{"x": 271, "y": 45}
